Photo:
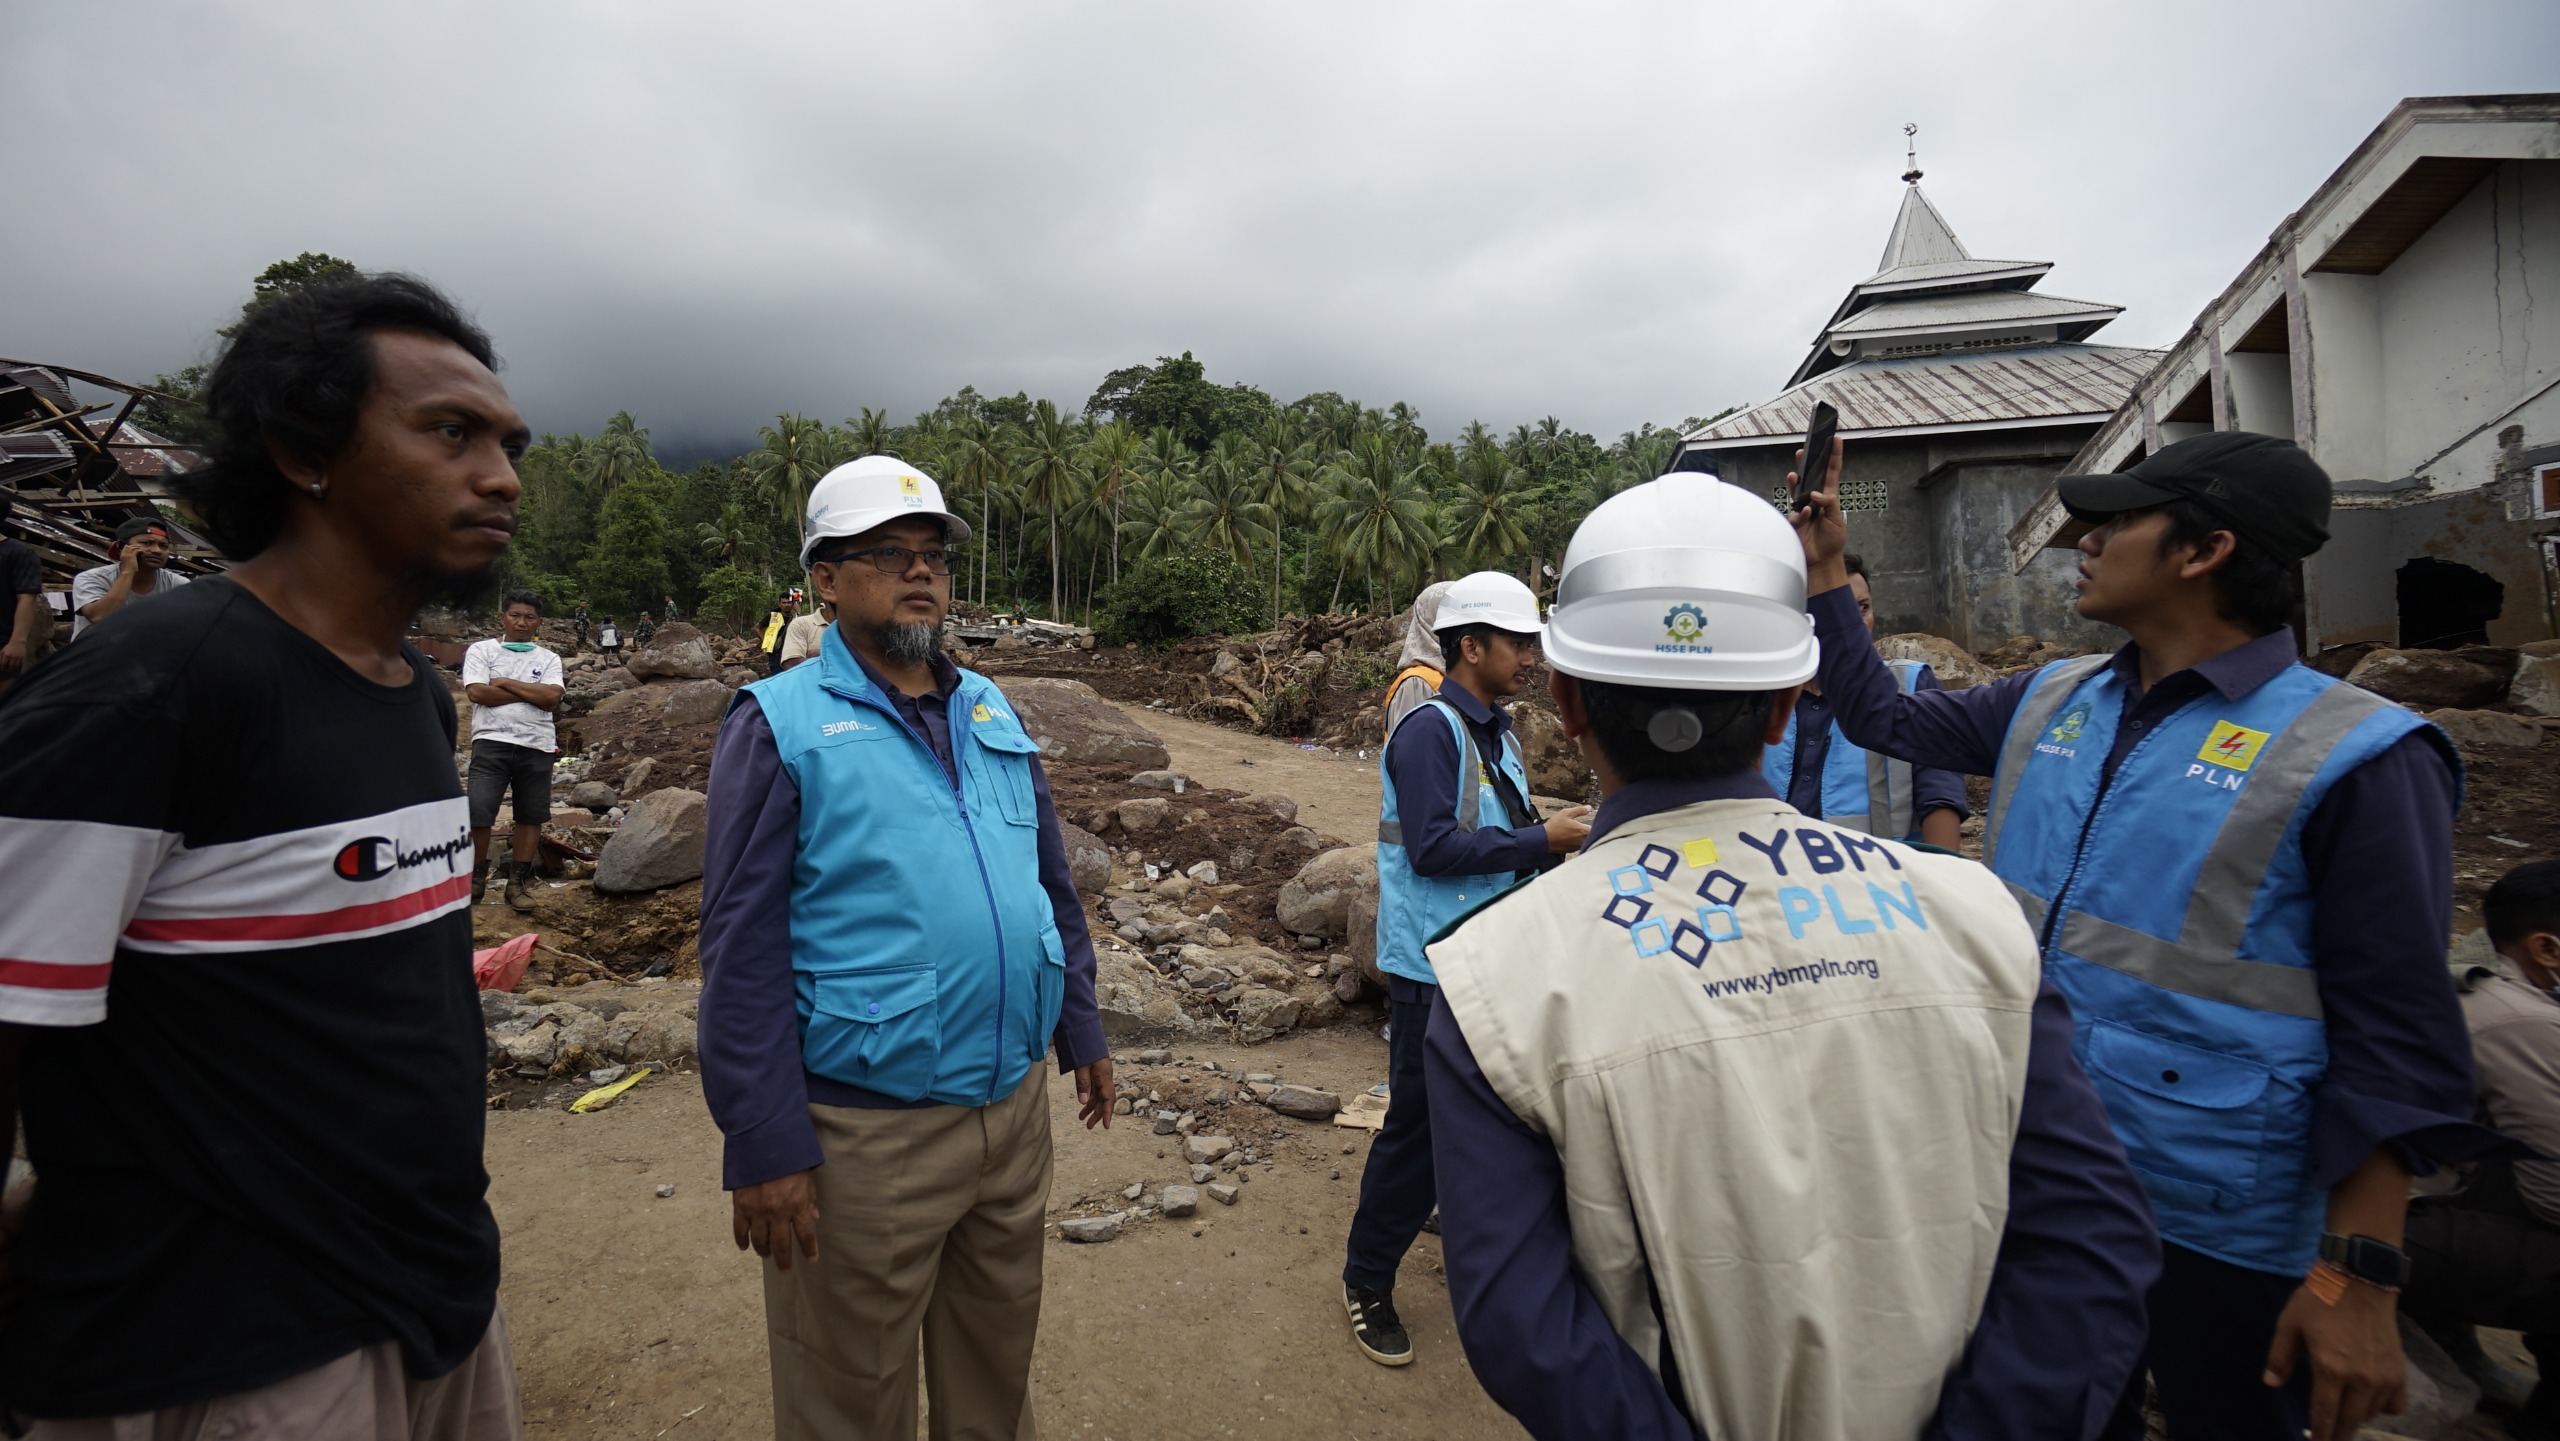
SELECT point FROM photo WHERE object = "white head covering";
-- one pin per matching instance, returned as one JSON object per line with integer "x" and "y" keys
{"x": 1421, "y": 645}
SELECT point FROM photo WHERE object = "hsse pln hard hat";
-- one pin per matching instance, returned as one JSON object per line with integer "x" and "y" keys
{"x": 873, "y": 490}
{"x": 1687, "y": 583}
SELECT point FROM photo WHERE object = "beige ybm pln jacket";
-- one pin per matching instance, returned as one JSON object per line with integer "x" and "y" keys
{"x": 1781, "y": 1063}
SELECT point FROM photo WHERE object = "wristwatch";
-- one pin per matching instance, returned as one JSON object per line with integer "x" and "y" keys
{"x": 2376, "y": 1263}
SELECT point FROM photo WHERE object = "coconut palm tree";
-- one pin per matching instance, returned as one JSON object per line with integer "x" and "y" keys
{"x": 1223, "y": 512}
{"x": 1151, "y": 523}
{"x": 1284, "y": 479}
{"x": 731, "y": 537}
{"x": 621, "y": 453}
{"x": 866, "y": 434}
{"x": 1111, "y": 459}
{"x": 1379, "y": 515}
{"x": 790, "y": 457}
{"x": 977, "y": 457}
{"x": 1047, "y": 463}
{"x": 1486, "y": 503}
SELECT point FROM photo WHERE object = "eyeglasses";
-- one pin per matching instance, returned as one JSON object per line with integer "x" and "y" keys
{"x": 895, "y": 559}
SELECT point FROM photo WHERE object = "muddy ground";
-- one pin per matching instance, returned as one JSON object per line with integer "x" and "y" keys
{"x": 637, "y": 1317}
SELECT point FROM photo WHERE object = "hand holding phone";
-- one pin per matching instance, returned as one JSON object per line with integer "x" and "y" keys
{"x": 1816, "y": 461}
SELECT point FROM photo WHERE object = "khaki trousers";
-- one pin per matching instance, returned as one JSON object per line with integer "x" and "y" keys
{"x": 365, "y": 1395}
{"x": 930, "y": 1224}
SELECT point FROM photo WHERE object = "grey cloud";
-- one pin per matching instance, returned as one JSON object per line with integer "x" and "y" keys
{"x": 1614, "y": 214}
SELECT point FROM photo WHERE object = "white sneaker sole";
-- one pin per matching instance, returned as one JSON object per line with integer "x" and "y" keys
{"x": 1381, "y": 1357}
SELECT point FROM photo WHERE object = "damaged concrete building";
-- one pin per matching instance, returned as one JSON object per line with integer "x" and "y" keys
{"x": 2403, "y": 325}
{"x": 1961, "y": 391}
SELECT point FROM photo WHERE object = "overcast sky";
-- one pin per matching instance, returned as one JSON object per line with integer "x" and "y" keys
{"x": 1610, "y": 213}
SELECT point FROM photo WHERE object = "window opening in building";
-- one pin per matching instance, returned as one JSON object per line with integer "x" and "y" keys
{"x": 2444, "y": 604}
{"x": 2546, "y": 492}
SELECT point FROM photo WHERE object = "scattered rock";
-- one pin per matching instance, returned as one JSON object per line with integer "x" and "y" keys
{"x": 636, "y": 779}
{"x": 1362, "y": 943}
{"x": 2429, "y": 679}
{"x": 1173, "y": 781}
{"x": 1090, "y": 1230}
{"x": 659, "y": 844}
{"x": 1203, "y": 1175}
{"x": 1261, "y": 1014}
{"x": 1306, "y": 1103}
{"x": 1224, "y": 665}
{"x": 1348, "y": 986}
{"x": 1203, "y": 873}
{"x": 606, "y": 1075}
{"x": 1317, "y": 900}
{"x": 677, "y": 650}
{"x": 1167, "y": 1121}
{"x": 1302, "y": 839}
{"x": 594, "y": 796}
{"x": 2480, "y": 729}
{"x": 698, "y": 702}
{"x": 1136, "y": 1190}
{"x": 1208, "y": 1150}
{"x": 1179, "y": 1200}
{"x": 612, "y": 678}
{"x": 1222, "y": 1193}
{"x": 1088, "y": 859}
{"x": 1071, "y": 721}
{"x": 1270, "y": 803}
{"x": 1155, "y": 1058}
{"x": 1141, "y": 816}
{"x": 666, "y": 1192}
{"x": 2536, "y": 687}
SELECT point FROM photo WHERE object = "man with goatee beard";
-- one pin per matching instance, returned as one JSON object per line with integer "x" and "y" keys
{"x": 890, "y": 940}
{"x": 236, "y": 1009}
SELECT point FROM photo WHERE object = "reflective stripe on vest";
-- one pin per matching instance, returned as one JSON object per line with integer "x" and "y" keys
{"x": 1887, "y": 792}
{"x": 1411, "y": 906}
{"x": 2174, "y": 908}
{"x": 2204, "y": 960}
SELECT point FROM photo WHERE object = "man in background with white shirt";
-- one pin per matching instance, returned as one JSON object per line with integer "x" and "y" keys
{"x": 514, "y": 686}
{"x": 139, "y": 570}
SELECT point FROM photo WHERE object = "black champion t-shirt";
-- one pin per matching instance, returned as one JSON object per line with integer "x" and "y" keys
{"x": 235, "y": 925}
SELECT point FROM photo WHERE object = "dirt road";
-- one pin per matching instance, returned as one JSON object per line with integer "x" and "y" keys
{"x": 1337, "y": 795}
{"x": 635, "y": 1317}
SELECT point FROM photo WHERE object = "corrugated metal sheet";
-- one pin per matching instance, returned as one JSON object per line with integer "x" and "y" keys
{"x": 1972, "y": 308}
{"x": 1965, "y": 388}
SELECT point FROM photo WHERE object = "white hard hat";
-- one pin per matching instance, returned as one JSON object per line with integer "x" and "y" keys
{"x": 874, "y": 490}
{"x": 1683, "y": 582}
{"x": 1488, "y": 597}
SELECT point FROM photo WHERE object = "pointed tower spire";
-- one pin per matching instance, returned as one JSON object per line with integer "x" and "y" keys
{"x": 1920, "y": 235}
{"x": 1911, "y": 154}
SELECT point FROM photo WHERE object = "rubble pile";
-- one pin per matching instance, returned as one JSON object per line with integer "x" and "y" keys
{"x": 1221, "y": 1127}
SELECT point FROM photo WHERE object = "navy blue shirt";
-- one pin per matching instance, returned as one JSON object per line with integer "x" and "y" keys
{"x": 1932, "y": 789}
{"x": 2379, "y": 848}
{"x": 2061, "y": 1324}
{"x": 1422, "y": 764}
{"x": 758, "y": 1091}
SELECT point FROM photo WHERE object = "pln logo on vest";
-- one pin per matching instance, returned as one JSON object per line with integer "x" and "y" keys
{"x": 2057, "y": 741}
{"x": 2232, "y": 749}
{"x": 1684, "y": 624}
{"x": 981, "y": 713}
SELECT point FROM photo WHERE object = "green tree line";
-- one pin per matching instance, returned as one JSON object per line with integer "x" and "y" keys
{"x": 1163, "y": 483}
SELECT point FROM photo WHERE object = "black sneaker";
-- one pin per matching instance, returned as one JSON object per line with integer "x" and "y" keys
{"x": 479, "y": 883}
{"x": 1431, "y": 1223}
{"x": 1374, "y": 1325}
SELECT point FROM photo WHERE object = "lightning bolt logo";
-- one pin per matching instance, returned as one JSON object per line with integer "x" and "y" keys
{"x": 2233, "y": 746}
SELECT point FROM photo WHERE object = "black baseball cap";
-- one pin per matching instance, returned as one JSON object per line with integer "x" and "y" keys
{"x": 141, "y": 525}
{"x": 2267, "y": 491}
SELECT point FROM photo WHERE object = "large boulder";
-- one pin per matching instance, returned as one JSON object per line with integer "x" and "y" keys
{"x": 1072, "y": 722}
{"x": 1956, "y": 668}
{"x": 2536, "y": 687}
{"x": 1362, "y": 943}
{"x": 1317, "y": 900}
{"x": 1263, "y": 1014}
{"x": 659, "y": 843}
{"x": 2475, "y": 730}
{"x": 696, "y": 702}
{"x": 2429, "y": 679}
{"x": 678, "y": 651}
{"x": 1556, "y": 766}
{"x": 1088, "y": 859}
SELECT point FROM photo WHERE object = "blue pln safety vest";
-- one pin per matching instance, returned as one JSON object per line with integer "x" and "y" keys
{"x": 925, "y": 956}
{"x": 2175, "y": 914}
{"x": 1412, "y": 908}
{"x": 1862, "y": 790}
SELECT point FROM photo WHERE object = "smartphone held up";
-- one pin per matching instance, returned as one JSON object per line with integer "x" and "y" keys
{"x": 1816, "y": 460}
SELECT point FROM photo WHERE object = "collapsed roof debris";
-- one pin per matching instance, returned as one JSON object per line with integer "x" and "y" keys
{"x": 80, "y": 469}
